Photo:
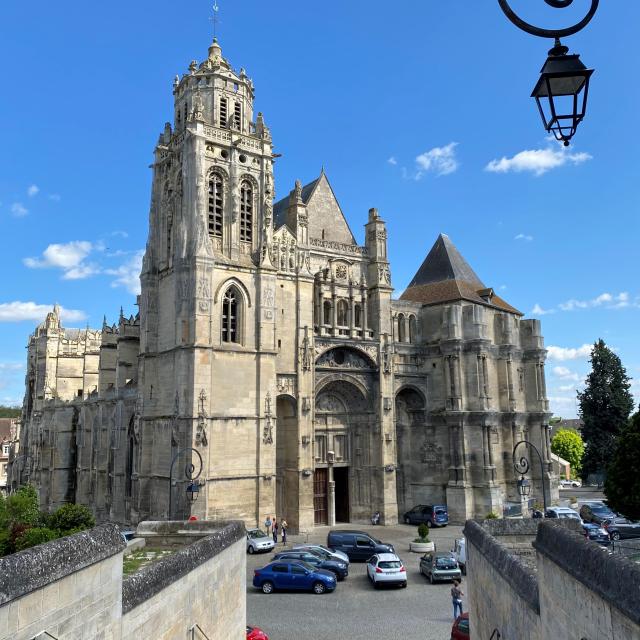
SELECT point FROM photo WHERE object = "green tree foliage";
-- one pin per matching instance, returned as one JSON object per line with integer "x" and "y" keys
{"x": 72, "y": 517}
{"x": 622, "y": 486}
{"x": 22, "y": 507}
{"x": 33, "y": 536}
{"x": 569, "y": 445}
{"x": 605, "y": 406}
{"x": 423, "y": 532}
{"x": 9, "y": 412}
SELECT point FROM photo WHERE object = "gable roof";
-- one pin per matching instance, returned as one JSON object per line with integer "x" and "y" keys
{"x": 445, "y": 276}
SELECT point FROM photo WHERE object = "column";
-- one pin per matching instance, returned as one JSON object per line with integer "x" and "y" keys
{"x": 331, "y": 498}
{"x": 334, "y": 314}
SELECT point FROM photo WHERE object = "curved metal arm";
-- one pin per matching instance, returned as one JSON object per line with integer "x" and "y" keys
{"x": 189, "y": 468}
{"x": 549, "y": 33}
{"x": 523, "y": 465}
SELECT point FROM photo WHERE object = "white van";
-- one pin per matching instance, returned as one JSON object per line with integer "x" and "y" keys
{"x": 459, "y": 552}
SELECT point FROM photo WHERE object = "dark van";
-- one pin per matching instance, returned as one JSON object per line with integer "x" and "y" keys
{"x": 433, "y": 515}
{"x": 358, "y": 545}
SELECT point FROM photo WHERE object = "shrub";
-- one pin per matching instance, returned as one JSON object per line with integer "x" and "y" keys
{"x": 23, "y": 506}
{"x": 491, "y": 516}
{"x": 35, "y": 535}
{"x": 70, "y": 517}
{"x": 423, "y": 533}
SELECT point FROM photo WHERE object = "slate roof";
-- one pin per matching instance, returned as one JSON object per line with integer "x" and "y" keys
{"x": 280, "y": 207}
{"x": 445, "y": 276}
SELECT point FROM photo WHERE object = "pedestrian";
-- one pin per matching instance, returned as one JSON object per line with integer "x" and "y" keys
{"x": 283, "y": 527}
{"x": 275, "y": 529}
{"x": 267, "y": 524}
{"x": 456, "y": 597}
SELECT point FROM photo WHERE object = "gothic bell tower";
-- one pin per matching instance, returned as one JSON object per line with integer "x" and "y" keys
{"x": 208, "y": 288}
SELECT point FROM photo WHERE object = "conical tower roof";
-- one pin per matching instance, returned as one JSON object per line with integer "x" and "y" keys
{"x": 445, "y": 276}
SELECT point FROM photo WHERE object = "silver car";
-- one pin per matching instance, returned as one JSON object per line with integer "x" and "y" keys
{"x": 340, "y": 556}
{"x": 258, "y": 541}
{"x": 386, "y": 568}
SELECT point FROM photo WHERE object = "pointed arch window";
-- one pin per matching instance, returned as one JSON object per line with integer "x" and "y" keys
{"x": 246, "y": 211}
{"x": 413, "y": 329}
{"x": 357, "y": 316}
{"x": 326, "y": 312}
{"x": 402, "y": 331}
{"x": 224, "y": 114}
{"x": 216, "y": 203}
{"x": 231, "y": 316}
{"x": 343, "y": 313}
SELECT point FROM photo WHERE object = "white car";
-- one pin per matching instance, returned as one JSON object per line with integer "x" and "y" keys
{"x": 340, "y": 556}
{"x": 570, "y": 483}
{"x": 259, "y": 541}
{"x": 562, "y": 512}
{"x": 386, "y": 568}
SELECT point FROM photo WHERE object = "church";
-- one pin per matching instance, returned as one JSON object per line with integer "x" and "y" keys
{"x": 269, "y": 369}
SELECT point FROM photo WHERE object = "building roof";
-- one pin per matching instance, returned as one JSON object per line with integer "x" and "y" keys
{"x": 445, "y": 276}
{"x": 280, "y": 207}
{"x": 5, "y": 428}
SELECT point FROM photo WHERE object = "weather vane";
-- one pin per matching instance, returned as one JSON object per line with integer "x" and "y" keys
{"x": 215, "y": 18}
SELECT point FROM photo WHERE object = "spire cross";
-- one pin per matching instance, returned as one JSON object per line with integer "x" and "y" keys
{"x": 215, "y": 18}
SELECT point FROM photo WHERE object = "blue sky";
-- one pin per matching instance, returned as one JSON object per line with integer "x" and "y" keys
{"x": 420, "y": 108}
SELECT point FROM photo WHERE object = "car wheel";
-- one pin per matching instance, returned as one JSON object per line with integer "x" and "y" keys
{"x": 404, "y": 585}
{"x": 431, "y": 580}
{"x": 375, "y": 585}
{"x": 615, "y": 535}
{"x": 319, "y": 588}
{"x": 250, "y": 550}
{"x": 267, "y": 587}
{"x": 407, "y": 521}
{"x": 463, "y": 569}
{"x": 421, "y": 572}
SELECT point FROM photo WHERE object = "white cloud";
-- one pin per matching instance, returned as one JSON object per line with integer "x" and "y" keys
{"x": 565, "y": 374}
{"x": 566, "y": 387}
{"x": 19, "y": 210}
{"x": 392, "y": 161}
{"x": 440, "y": 160}
{"x": 22, "y": 311}
{"x": 524, "y": 236}
{"x": 537, "y": 161}
{"x": 539, "y": 311}
{"x": 608, "y": 300}
{"x": 128, "y": 274}
{"x": 33, "y": 190}
{"x": 567, "y": 353}
{"x": 69, "y": 257}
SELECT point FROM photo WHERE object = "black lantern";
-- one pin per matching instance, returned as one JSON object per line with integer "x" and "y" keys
{"x": 524, "y": 487}
{"x": 193, "y": 488}
{"x": 561, "y": 92}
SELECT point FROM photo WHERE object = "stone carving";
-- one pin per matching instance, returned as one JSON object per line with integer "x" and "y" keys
{"x": 268, "y": 297}
{"x": 329, "y": 403}
{"x": 306, "y": 351}
{"x": 267, "y": 433}
{"x": 201, "y": 430}
{"x": 338, "y": 246}
{"x": 341, "y": 272}
{"x": 286, "y": 384}
{"x": 204, "y": 293}
{"x": 431, "y": 454}
{"x": 343, "y": 359}
{"x": 384, "y": 274}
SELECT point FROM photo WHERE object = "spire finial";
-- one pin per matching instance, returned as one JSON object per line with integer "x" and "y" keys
{"x": 215, "y": 20}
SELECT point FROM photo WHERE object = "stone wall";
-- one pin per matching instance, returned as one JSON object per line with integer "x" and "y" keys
{"x": 572, "y": 588}
{"x": 74, "y": 587}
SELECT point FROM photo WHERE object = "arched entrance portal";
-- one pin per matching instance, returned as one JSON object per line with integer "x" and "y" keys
{"x": 286, "y": 459}
{"x": 342, "y": 449}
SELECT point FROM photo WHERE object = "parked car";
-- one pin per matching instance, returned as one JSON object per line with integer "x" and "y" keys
{"x": 255, "y": 633}
{"x": 439, "y": 566}
{"x": 435, "y": 515}
{"x": 596, "y": 512}
{"x": 259, "y": 541}
{"x": 386, "y": 568}
{"x": 358, "y": 545}
{"x": 283, "y": 574}
{"x": 619, "y": 528}
{"x": 336, "y": 555}
{"x": 340, "y": 568}
{"x": 570, "y": 483}
{"x": 596, "y": 533}
{"x": 460, "y": 628}
{"x": 562, "y": 512}
{"x": 459, "y": 552}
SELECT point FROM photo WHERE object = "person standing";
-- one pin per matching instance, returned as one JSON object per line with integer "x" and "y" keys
{"x": 283, "y": 527}
{"x": 267, "y": 524}
{"x": 456, "y": 598}
{"x": 275, "y": 529}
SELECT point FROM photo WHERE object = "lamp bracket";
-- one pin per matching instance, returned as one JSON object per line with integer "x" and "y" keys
{"x": 549, "y": 33}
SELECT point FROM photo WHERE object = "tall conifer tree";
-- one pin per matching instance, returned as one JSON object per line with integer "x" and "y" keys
{"x": 605, "y": 406}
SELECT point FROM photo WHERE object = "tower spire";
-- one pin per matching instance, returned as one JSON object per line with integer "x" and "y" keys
{"x": 215, "y": 20}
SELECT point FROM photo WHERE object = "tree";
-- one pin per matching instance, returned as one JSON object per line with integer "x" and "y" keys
{"x": 605, "y": 406}
{"x": 10, "y": 412}
{"x": 622, "y": 486}
{"x": 569, "y": 445}
{"x": 72, "y": 517}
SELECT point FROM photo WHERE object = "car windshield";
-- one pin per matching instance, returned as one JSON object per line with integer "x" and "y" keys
{"x": 389, "y": 564}
{"x": 566, "y": 514}
{"x": 445, "y": 563}
{"x": 375, "y": 540}
{"x": 600, "y": 508}
{"x": 257, "y": 533}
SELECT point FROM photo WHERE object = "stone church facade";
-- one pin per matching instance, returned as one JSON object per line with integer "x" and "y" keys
{"x": 268, "y": 350}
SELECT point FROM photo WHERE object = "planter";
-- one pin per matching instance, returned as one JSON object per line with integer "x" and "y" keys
{"x": 422, "y": 547}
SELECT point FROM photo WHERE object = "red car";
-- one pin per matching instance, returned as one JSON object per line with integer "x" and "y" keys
{"x": 460, "y": 628}
{"x": 254, "y": 633}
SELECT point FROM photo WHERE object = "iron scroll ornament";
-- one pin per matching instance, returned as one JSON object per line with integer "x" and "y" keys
{"x": 189, "y": 469}
{"x": 523, "y": 465}
{"x": 550, "y": 33}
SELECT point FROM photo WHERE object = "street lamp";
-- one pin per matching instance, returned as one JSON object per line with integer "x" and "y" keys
{"x": 524, "y": 487}
{"x": 522, "y": 467}
{"x": 193, "y": 488}
{"x": 563, "y": 87}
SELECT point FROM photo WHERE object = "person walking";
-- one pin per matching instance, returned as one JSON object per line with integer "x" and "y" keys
{"x": 456, "y": 598}
{"x": 267, "y": 524}
{"x": 283, "y": 528}
{"x": 275, "y": 529}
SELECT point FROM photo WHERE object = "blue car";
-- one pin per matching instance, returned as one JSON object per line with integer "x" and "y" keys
{"x": 433, "y": 515}
{"x": 298, "y": 576}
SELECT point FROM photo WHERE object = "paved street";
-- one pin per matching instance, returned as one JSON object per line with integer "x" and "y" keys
{"x": 355, "y": 610}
